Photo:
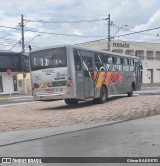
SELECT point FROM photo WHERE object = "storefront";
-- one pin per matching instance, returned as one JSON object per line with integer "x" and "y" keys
{"x": 11, "y": 64}
{"x": 8, "y": 84}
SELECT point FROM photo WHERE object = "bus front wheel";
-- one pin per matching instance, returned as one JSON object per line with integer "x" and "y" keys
{"x": 71, "y": 101}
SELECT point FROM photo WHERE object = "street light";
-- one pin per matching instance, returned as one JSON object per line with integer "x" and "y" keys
{"x": 119, "y": 28}
{"x": 33, "y": 39}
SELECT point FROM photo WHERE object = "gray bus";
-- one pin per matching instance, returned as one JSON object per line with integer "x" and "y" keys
{"x": 76, "y": 74}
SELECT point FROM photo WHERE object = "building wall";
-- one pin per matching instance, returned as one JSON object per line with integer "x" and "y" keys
{"x": 149, "y": 53}
{"x": 21, "y": 83}
{"x": 8, "y": 84}
{"x": 21, "y": 86}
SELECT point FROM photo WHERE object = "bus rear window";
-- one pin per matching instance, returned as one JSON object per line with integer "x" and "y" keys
{"x": 49, "y": 58}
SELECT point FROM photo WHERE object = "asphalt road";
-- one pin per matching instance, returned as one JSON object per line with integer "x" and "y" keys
{"x": 128, "y": 139}
{"x": 136, "y": 138}
{"x": 24, "y": 99}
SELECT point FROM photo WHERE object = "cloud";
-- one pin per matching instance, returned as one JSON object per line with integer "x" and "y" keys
{"x": 150, "y": 36}
{"x": 154, "y": 21}
{"x": 132, "y": 13}
{"x": 137, "y": 14}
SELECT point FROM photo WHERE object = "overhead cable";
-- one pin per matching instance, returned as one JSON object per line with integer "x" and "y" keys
{"x": 65, "y": 22}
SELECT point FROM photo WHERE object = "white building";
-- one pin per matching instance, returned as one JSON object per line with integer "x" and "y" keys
{"x": 149, "y": 53}
{"x": 8, "y": 84}
{"x": 13, "y": 62}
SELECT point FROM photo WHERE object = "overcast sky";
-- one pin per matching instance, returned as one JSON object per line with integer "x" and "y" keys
{"x": 136, "y": 14}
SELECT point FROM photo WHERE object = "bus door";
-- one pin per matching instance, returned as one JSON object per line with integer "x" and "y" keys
{"x": 88, "y": 76}
{"x": 79, "y": 75}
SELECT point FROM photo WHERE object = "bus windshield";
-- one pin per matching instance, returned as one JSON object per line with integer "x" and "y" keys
{"x": 49, "y": 58}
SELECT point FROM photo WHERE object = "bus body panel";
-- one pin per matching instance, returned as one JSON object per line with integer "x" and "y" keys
{"x": 49, "y": 82}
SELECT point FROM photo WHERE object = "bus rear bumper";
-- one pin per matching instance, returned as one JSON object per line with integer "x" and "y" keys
{"x": 48, "y": 97}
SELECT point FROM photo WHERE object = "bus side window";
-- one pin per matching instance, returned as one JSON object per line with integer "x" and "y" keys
{"x": 77, "y": 60}
{"x": 115, "y": 63}
{"x": 99, "y": 61}
{"x": 119, "y": 65}
{"x": 132, "y": 65}
{"x": 110, "y": 65}
{"x": 122, "y": 63}
{"x": 126, "y": 64}
{"x": 114, "y": 60}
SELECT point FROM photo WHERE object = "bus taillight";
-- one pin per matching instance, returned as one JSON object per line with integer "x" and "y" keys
{"x": 32, "y": 87}
{"x": 69, "y": 84}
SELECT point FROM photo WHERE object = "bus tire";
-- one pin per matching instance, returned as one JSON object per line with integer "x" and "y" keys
{"x": 95, "y": 100}
{"x": 103, "y": 95}
{"x": 130, "y": 94}
{"x": 71, "y": 101}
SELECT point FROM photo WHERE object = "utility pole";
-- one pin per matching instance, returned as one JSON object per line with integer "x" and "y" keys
{"x": 23, "y": 52}
{"x": 109, "y": 37}
{"x": 22, "y": 27}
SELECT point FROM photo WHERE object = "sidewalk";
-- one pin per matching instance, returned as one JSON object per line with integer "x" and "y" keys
{"x": 13, "y": 137}
{"x": 15, "y": 96}
{"x": 132, "y": 138}
{"x": 150, "y": 85}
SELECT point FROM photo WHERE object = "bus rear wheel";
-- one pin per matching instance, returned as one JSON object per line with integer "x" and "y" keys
{"x": 103, "y": 96}
{"x": 130, "y": 94}
{"x": 71, "y": 101}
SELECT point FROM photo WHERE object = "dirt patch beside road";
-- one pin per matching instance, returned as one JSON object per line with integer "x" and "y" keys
{"x": 57, "y": 113}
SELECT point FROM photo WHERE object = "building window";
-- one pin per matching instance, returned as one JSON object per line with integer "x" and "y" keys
{"x": 150, "y": 55}
{"x": 157, "y": 55}
{"x": 140, "y": 54}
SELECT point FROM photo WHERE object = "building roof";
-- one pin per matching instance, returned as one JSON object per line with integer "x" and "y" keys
{"x": 5, "y": 52}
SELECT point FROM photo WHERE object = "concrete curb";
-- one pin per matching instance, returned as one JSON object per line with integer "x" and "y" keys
{"x": 17, "y": 97}
{"x": 14, "y": 137}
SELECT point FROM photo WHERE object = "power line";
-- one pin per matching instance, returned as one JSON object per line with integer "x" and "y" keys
{"x": 6, "y": 42}
{"x": 9, "y": 33}
{"x": 18, "y": 42}
{"x": 126, "y": 29}
{"x": 64, "y": 22}
{"x": 60, "y": 34}
{"x": 72, "y": 35}
{"x": 150, "y": 29}
{"x": 51, "y": 33}
{"x": 9, "y": 27}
